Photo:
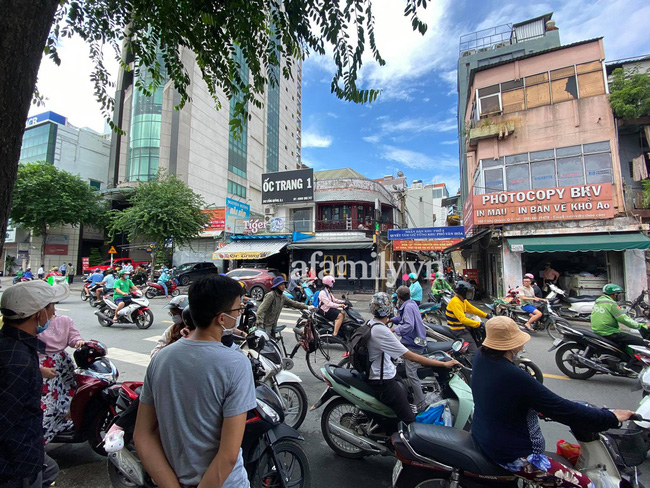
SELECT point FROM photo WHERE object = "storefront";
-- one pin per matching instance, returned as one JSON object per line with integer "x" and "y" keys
{"x": 248, "y": 250}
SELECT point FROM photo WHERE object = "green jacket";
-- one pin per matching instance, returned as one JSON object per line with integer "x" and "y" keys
{"x": 269, "y": 311}
{"x": 441, "y": 285}
{"x": 606, "y": 316}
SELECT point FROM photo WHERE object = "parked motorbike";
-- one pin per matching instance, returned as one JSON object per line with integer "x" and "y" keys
{"x": 356, "y": 424}
{"x": 580, "y": 354}
{"x": 435, "y": 455}
{"x": 578, "y": 308}
{"x": 93, "y": 405}
{"x": 638, "y": 307}
{"x": 137, "y": 312}
{"x": 272, "y": 455}
{"x": 156, "y": 290}
{"x": 548, "y": 322}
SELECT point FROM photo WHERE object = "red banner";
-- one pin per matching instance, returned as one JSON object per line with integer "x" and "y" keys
{"x": 217, "y": 222}
{"x": 423, "y": 244}
{"x": 56, "y": 249}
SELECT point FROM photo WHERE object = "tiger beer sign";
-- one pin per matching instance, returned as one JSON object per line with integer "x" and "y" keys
{"x": 560, "y": 203}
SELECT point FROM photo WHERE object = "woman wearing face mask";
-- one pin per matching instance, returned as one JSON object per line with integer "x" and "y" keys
{"x": 507, "y": 401}
{"x": 57, "y": 368}
{"x": 174, "y": 331}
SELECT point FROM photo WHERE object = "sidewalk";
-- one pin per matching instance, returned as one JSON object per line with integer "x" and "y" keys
{"x": 7, "y": 281}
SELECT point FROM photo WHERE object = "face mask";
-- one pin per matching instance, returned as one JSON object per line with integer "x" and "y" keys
{"x": 231, "y": 331}
{"x": 126, "y": 277}
{"x": 41, "y": 328}
{"x": 178, "y": 319}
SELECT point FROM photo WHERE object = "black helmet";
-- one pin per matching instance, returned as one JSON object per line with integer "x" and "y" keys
{"x": 462, "y": 287}
{"x": 89, "y": 353}
{"x": 187, "y": 318}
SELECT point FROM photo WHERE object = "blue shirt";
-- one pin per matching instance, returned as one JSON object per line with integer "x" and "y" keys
{"x": 410, "y": 325}
{"x": 164, "y": 277}
{"x": 506, "y": 403}
{"x": 109, "y": 281}
{"x": 95, "y": 278}
{"x": 416, "y": 291}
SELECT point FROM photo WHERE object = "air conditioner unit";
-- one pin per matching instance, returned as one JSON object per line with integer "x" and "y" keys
{"x": 270, "y": 210}
{"x": 469, "y": 52}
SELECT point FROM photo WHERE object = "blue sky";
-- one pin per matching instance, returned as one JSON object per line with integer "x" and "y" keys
{"x": 412, "y": 127}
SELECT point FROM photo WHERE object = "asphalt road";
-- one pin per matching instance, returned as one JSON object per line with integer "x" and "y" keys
{"x": 129, "y": 348}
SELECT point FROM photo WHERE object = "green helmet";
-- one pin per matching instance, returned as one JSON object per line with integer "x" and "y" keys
{"x": 612, "y": 289}
{"x": 122, "y": 272}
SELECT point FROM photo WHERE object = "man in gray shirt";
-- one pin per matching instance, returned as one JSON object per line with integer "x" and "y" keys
{"x": 196, "y": 394}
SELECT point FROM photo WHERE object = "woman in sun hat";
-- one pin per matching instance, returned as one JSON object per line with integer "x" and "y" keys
{"x": 507, "y": 401}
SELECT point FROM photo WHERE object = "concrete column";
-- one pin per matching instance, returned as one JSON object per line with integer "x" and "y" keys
{"x": 511, "y": 268}
{"x": 635, "y": 272}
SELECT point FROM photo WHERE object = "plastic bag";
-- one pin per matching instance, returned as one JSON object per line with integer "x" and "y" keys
{"x": 437, "y": 414}
{"x": 570, "y": 452}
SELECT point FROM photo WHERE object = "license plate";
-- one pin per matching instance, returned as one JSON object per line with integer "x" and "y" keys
{"x": 397, "y": 469}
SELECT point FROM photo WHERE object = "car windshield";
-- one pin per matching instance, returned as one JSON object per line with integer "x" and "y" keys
{"x": 185, "y": 266}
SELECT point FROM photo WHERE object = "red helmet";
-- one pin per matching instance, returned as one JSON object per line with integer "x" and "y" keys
{"x": 89, "y": 353}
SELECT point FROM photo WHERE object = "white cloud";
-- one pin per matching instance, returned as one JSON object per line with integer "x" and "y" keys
{"x": 449, "y": 143}
{"x": 416, "y": 160}
{"x": 313, "y": 139}
{"x": 372, "y": 139}
{"x": 418, "y": 125}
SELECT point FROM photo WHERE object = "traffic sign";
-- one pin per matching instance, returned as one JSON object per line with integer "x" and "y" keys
{"x": 112, "y": 250}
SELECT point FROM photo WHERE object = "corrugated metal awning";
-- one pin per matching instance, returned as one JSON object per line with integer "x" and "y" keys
{"x": 250, "y": 249}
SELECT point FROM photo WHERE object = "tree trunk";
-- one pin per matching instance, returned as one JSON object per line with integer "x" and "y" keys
{"x": 44, "y": 234}
{"x": 24, "y": 27}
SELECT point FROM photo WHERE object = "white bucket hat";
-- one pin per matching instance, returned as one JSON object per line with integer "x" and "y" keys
{"x": 25, "y": 299}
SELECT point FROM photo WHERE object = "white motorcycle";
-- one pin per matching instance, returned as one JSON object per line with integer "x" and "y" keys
{"x": 137, "y": 312}
{"x": 577, "y": 308}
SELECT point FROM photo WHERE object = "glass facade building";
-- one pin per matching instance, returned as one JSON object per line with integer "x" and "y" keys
{"x": 39, "y": 143}
{"x": 273, "y": 121}
{"x": 238, "y": 146}
{"x": 146, "y": 119}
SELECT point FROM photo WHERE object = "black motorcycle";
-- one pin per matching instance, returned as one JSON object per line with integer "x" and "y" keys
{"x": 351, "y": 322}
{"x": 272, "y": 455}
{"x": 581, "y": 354}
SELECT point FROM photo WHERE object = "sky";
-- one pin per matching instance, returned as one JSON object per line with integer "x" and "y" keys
{"x": 412, "y": 126}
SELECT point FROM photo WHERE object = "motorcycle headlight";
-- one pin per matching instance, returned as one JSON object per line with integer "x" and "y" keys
{"x": 269, "y": 411}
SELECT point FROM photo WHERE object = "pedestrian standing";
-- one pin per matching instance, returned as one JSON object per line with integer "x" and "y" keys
{"x": 549, "y": 275}
{"x": 26, "y": 311}
{"x": 41, "y": 272}
{"x": 71, "y": 272}
{"x": 63, "y": 269}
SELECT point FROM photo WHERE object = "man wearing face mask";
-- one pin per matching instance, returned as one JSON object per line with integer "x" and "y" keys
{"x": 219, "y": 382}
{"x": 26, "y": 311}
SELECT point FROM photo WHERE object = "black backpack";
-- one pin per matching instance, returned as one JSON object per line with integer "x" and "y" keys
{"x": 359, "y": 355}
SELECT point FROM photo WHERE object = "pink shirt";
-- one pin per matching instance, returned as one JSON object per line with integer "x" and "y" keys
{"x": 326, "y": 300}
{"x": 60, "y": 334}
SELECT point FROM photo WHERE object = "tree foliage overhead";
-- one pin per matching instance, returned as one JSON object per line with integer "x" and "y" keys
{"x": 161, "y": 209}
{"x": 630, "y": 94}
{"x": 268, "y": 32}
{"x": 46, "y": 197}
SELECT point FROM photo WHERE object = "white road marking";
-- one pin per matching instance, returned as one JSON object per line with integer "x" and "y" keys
{"x": 152, "y": 338}
{"x": 131, "y": 357}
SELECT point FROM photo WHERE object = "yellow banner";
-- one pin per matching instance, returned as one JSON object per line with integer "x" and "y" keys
{"x": 239, "y": 255}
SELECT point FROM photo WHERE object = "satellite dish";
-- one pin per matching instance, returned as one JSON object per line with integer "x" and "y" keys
{"x": 400, "y": 174}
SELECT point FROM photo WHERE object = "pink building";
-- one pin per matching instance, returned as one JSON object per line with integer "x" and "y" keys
{"x": 544, "y": 175}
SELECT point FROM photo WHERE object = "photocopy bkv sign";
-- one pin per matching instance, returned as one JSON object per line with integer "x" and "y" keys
{"x": 288, "y": 186}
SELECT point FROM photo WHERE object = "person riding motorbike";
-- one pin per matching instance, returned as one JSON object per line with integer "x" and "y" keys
{"x": 121, "y": 294}
{"x": 384, "y": 345}
{"x": 526, "y": 294}
{"x": 506, "y": 405}
{"x": 412, "y": 334}
{"x": 163, "y": 279}
{"x": 107, "y": 285}
{"x": 440, "y": 284}
{"x": 607, "y": 315}
{"x": 416, "y": 288}
{"x": 93, "y": 280}
{"x": 331, "y": 307}
{"x": 456, "y": 318}
{"x": 28, "y": 275}
{"x": 269, "y": 311}
{"x": 174, "y": 331}
{"x": 294, "y": 281}
{"x": 533, "y": 283}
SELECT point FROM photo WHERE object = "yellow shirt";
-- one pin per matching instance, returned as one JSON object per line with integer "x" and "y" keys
{"x": 456, "y": 310}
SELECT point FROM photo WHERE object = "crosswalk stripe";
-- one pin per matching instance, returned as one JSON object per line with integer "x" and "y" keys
{"x": 155, "y": 338}
{"x": 131, "y": 357}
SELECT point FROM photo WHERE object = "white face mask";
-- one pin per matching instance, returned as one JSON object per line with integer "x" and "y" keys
{"x": 227, "y": 331}
{"x": 177, "y": 319}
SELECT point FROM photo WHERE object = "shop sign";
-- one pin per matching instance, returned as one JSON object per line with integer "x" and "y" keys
{"x": 276, "y": 224}
{"x": 85, "y": 263}
{"x": 423, "y": 244}
{"x": 451, "y": 232}
{"x": 288, "y": 186}
{"x": 216, "y": 224}
{"x": 468, "y": 216}
{"x": 548, "y": 204}
{"x": 93, "y": 233}
{"x": 10, "y": 236}
{"x": 240, "y": 255}
{"x": 471, "y": 273}
{"x": 236, "y": 210}
{"x": 56, "y": 244}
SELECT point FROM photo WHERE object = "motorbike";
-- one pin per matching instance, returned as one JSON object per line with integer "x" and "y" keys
{"x": 137, "y": 312}
{"x": 548, "y": 322}
{"x": 638, "y": 307}
{"x": 436, "y": 455}
{"x": 92, "y": 299}
{"x": 156, "y": 290}
{"x": 356, "y": 424}
{"x": 351, "y": 321}
{"x": 579, "y": 308}
{"x": 93, "y": 405}
{"x": 581, "y": 354}
{"x": 272, "y": 455}
{"x": 87, "y": 288}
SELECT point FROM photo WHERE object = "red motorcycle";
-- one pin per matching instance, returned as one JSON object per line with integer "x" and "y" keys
{"x": 93, "y": 405}
{"x": 156, "y": 289}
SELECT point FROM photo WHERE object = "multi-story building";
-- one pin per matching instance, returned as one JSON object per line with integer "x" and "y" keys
{"x": 49, "y": 137}
{"x": 424, "y": 204}
{"x": 197, "y": 145}
{"x": 543, "y": 174}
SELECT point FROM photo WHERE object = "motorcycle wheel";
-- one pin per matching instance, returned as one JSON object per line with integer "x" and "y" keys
{"x": 294, "y": 402}
{"x": 145, "y": 320}
{"x": 84, "y": 297}
{"x": 294, "y": 467}
{"x": 118, "y": 480}
{"x": 330, "y": 349}
{"x": 629, "y": 309}
{"x": 175, "y": 293}
{"x": 103, "y": 322}
{"x": 97, "y": 427}
{"x": 552, "y": 331}
{"x": 150, "y": 293}
{"x": 342, "y": 412}
{"x": 574, "y": 371}
{"x": 533, "y": 370}
{"x": 421, "y": 478}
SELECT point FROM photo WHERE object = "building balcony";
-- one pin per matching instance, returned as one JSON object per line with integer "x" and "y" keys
{"x": 351, "y": 224}
{"x": 500, "y": 126}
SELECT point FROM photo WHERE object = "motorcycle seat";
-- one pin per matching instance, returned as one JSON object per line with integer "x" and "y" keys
{"x": 278, "y": 328}
{"x": 352, "y": 378}
{"x": 429, "y": 305}
{"x": 442, "y": 329}
{"x": 453, "y": 447}
{"x": 583, "y": 298}
{"x": 592, "y": 334}
{"x": 439, "y": 346}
